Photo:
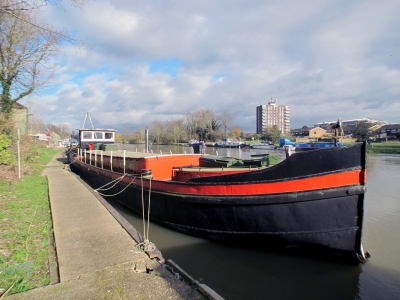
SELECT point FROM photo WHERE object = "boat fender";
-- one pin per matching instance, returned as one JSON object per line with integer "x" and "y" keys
{"x": 288, "y": 151}
{"x": 356, "y": 190}
{"x": 363, "y": 256}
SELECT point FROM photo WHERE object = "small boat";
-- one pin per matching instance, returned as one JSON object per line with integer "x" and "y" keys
{"x": 193, "y": 143}
{"x": 312, "y": 201}
{"x": 310, "y": 145}
{"x": 228, "y": 143}
{"x": 316, "y": 145}
{"x": 263, "y": 145}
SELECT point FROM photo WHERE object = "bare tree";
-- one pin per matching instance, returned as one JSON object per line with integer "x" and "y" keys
{"x": 201, "y": 124}
{"x": 11, "y": 7}
{"x": 126, "y": 134}
{"x": 65, "y": 130}
{"x": 272, "y": 134}
{"x": 175, "y": 130}
{"x": 36, "y": 125}
{"x": 204, "y": 117}
{"x": 362, "y": 131}
{"x": 236, "y": 132}
{"x": 190, "y": 123}
{"x": 25, "y": 56}
{"x": 225, "y": 119}
{"x": 156, "y": 132}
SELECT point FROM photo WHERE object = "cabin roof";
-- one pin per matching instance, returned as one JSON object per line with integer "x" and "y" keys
{"x": 96, "y": 129}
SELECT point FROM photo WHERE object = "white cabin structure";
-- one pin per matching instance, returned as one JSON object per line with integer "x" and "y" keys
{"x": 92, "y": 138}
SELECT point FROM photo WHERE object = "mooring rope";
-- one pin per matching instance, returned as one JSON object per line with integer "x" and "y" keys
{"x": 146, "y": 245}
{"x": 71, "y": 163}
{"x": 96, "y": 191}
{"x": 117, "y": 181}
{"x": 144, "y": 224}
{"x": 148, "y": 210}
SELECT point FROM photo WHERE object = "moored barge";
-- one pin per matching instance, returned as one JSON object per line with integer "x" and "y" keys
{"x": 312, "y": 200}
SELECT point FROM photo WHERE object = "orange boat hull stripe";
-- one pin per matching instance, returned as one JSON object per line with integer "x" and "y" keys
{"x": 289, "y": 186}
{"x": 318, "y": 182}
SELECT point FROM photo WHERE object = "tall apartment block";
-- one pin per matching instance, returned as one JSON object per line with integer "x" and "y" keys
{"x": 273, "y": 114}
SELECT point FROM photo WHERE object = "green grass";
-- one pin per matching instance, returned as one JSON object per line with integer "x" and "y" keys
{"x": 25, "y": 223}
{"x": 388, "y": 148}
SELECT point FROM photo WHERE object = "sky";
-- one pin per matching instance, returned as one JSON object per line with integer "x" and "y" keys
{"x": 152, "y": 60}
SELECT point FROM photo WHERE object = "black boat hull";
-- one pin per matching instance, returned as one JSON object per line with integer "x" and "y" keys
{"x": 326, "y": 221}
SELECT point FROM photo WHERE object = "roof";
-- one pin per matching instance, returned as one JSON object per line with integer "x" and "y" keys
{"x": 315, "y": 128}
{"x": 390, "y": 126}
{"x": 96, "y": 129}
{"x": 301, "y": 129}
{"x": 15, "y": 105}
{"x": 308, "y": 129}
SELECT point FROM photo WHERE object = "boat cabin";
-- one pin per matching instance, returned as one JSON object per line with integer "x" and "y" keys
{"x": 178, "y": 167}
{"x": 90, "y": 139}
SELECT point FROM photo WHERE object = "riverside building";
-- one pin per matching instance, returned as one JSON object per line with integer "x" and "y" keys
{"x": 273, "y": 114}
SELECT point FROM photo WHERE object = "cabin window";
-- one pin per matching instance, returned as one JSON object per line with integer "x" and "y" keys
{"x": 98, "y": 135}
{"x": 130, "y": 166}
{"x": 121, "y": 165}
{"x": 109, "y": 135}
{"x": 87, "y": 135}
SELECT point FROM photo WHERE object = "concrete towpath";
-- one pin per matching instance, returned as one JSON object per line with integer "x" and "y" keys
{"x": 97, "y": 258}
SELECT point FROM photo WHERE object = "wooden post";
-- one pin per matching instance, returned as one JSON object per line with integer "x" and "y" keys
{"x": 124, "y": 161}
{"x": 19, "y": 157}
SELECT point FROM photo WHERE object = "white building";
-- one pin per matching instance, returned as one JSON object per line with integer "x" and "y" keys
{"x": 353, "y": 122}
{"x": 273, "y": 114}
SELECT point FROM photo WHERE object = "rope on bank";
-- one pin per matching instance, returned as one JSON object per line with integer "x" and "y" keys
{"x": 71, "y": 163}
{"x": 67, "y": 166}
{"x": 176, "y": 274}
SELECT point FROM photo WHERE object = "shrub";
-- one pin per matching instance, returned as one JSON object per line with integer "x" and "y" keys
{"x": 6, "y": 157}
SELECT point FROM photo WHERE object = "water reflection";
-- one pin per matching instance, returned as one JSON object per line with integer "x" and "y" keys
{"x": 240, "y": 273}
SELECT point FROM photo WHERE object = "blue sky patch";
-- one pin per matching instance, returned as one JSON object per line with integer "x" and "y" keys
{"x": 218, "y": 76}
{"x": 167, "y": 66}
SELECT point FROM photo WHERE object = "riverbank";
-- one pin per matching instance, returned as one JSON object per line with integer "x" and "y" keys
{"x": 386, "y": 148}
{"x": 96, "y": 256}
{"x": 25, "y": 224}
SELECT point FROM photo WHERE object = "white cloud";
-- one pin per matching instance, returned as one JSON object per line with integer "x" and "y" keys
{"x": 326, "y": 59}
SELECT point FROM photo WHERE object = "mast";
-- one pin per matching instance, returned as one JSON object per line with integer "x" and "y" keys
{"x": 90, "y": 119}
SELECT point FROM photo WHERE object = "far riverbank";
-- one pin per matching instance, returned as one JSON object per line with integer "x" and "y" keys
{"x": 384, "y": 148}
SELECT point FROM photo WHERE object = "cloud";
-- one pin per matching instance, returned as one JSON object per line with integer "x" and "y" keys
{"x": 145, "y": 61}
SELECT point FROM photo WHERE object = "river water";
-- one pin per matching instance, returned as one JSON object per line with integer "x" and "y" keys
{"x": 247, "y": 273}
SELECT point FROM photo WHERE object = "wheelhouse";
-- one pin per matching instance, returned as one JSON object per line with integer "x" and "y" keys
{"x": 93, "y": 138}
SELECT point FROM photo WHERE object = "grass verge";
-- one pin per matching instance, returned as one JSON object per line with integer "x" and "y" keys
{"x": 25, "y": 223}
{"x": 388, "y": 148}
